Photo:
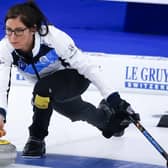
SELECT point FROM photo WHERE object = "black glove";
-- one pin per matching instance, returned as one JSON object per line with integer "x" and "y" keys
{"x": 3, "y": 113}
{"x": 120, "y": 107}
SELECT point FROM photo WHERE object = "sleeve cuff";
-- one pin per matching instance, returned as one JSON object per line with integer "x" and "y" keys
{"x": 3, "y": 113}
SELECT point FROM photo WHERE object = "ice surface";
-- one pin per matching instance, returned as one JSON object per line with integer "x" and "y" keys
{"x": 81, "y": 139}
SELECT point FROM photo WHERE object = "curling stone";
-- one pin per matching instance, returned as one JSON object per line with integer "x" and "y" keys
{"x": 7, "y": 153}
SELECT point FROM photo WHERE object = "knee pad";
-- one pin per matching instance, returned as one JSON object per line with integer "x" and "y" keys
{"x": 103, "y": 106}
{"x": 41, "y": 102}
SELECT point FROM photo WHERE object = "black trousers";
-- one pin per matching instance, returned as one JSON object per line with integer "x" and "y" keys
{"x": 64, "y": 88}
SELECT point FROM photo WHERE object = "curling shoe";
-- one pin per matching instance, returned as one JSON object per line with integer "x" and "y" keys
{"x": 34, "y": 148}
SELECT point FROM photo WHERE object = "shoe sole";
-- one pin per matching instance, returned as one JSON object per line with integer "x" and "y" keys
{"x": 33, "y": 157}
{"x": 118, "y": 134}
